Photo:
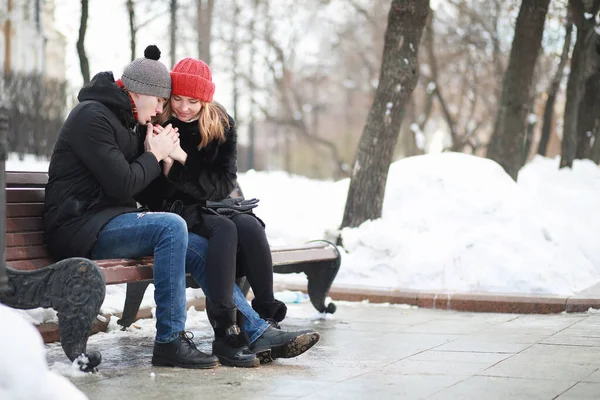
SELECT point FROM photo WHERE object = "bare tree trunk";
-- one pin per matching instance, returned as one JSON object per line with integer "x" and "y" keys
{"x": 252, "y": 122}
{"x": 508, "y": 141}
{"x": 555, "y": 86}
{"x": 529, "y": 130}
{"x": 173, "y": 31}
{"x": 234, "y": 59}
{"x": 397, "y": 80}
{"x": 588, "y": 118}
{"x": 587, "y": 121}
{"x": 132, "y": 28}
{"x": 428, "y": 42}
{"x": 575, "y": 85}
{"x": 435, "y": 89}
{"x": 8, "y": 38}
{"x": 409, "y": 142}
{"x": 595, "y": 150}
{"x": 204, "y": 17}
{"x": 83, "y": 60}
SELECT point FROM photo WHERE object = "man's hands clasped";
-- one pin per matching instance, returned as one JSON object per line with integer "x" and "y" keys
{"x": 161, "y": 143}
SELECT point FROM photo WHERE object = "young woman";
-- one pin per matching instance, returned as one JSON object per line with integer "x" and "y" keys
{"x": 204, "y": 169}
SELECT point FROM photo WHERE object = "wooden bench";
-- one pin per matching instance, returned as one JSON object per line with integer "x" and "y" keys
{"x": 76, "y": 287}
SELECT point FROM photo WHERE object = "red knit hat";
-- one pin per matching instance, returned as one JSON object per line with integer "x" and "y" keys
{"x": 192, "y": 78}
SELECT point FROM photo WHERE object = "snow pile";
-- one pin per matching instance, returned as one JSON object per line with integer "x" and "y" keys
{"x": 452, "y": 222}
{"x": 23, "y": 363}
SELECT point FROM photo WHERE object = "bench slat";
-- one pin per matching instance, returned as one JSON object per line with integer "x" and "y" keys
{"x": 25, "y": 224}
{"x": 29, "y": 265}
{"x": 123, "y": 274}
{"x": 25, "y": 210}
{"x": 34, "y": 179}
{"x": 26, "y": 253}
{"x": 37, "y": 263}
{"x": 24, "y": 239}
{"x": 124, "y": 262}
{"x": 284, "y": 256}
{"x": 20, "y": 195}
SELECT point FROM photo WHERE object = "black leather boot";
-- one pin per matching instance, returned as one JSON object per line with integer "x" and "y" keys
{"x": 230, "y": 344}
{"x": 182, "y": 352}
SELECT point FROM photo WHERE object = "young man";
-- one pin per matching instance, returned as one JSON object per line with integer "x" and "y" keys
{"x": 105, "y": 156}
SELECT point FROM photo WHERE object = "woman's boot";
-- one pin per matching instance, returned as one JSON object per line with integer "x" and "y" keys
{"x": 230, "y": 344}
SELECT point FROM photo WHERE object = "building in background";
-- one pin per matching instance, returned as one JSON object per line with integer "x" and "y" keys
{"x": 30, "y": 42}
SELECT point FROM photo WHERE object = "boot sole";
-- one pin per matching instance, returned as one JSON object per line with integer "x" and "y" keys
{"x": 291, "y": 349}
{"x": 158, "y": 362}
{"x": 242, "y": 364}
{"x": 264, "y": 357}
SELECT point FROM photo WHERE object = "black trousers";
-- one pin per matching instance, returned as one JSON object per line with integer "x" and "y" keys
{"x": 236, "y": 246}
{"x": 254, "y": 259}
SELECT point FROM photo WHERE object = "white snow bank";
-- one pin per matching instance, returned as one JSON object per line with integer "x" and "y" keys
{"x": 452, "y": 222}
{"x": 24, "y": 374}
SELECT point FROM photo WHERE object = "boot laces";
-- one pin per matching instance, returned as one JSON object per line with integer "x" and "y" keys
{"x": 187, "y": 337}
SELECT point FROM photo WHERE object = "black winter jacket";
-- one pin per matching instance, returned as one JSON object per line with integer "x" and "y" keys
{"x": 97, "y": 167}
{"x": 208, "y": 174}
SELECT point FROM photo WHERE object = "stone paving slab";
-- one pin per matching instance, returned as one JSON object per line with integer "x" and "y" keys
{"x": 474, "y": 302}
{"x": 378, "y": 352}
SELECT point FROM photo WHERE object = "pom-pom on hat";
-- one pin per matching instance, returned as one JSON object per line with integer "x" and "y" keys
{"x": 147, "y": 75}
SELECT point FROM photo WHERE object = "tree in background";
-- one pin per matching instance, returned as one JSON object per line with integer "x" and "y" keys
{"x": 84, "y": 64}
{"x": 582, "y": 69}
{"x": 130, "y": 4}
{"x": 507, "y": 146}
{"x": 555, "y": 85}
{"x": 204, "y": 18}
{"x": 173, "y": 31}
{"x": 134, "y": 26}
{"x": 398, "y": 77}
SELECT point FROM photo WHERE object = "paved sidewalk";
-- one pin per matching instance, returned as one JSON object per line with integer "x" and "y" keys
{"x": 377, "y": 352}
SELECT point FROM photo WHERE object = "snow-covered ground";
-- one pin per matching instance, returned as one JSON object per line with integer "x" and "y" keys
{"x": 451, "y": 222}
{"x": 24, "y": 374}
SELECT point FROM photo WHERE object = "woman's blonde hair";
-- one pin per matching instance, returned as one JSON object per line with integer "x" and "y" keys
{"x": 212, "y": 120}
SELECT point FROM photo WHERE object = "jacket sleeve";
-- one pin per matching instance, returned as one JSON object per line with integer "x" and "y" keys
{"x": 97, "y": 148}
{"x": 212, "y": 180}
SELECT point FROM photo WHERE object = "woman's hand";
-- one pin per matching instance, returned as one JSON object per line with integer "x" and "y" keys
{"x": 167, "y": 164}
{"x": 178, "y": 154}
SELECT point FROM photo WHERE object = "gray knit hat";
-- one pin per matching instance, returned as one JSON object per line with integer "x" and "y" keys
{"x": 147, "y": 75}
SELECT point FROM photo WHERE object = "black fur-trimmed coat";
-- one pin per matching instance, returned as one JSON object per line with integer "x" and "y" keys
{"x": 208, "y": 174}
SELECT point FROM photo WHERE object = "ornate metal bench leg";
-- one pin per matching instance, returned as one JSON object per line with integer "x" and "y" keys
{"x": 320, "y": 277}
{"x": 75, "y": 288}
{"x": 133, "y": 299}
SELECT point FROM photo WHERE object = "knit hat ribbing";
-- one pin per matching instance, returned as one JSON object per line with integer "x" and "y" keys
{"x": 193, "y": 78}
{"x": 147, "y": 75}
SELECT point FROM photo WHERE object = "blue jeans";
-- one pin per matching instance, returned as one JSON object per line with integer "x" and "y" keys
{"x": 165, "y": 236}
